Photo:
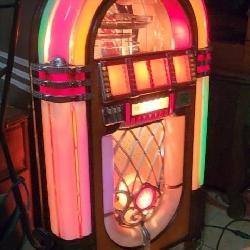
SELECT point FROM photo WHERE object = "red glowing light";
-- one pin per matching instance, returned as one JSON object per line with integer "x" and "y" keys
{"x": 203, "y": 62}
{"x": 146, "y": 197}
{"x": 203, "y": 69}
{"x": 59, "y": 78}
{"x": 201, "y": 57}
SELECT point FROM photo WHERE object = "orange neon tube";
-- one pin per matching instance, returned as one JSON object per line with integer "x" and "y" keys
{"x": 80, "y": 32}
{"x": 197, "y": 135}
{"x": 201, "y": 18}
{"x": 201, "y": 99}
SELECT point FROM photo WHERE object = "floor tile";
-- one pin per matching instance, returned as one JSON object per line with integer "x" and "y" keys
{"x": 218, "y": 217}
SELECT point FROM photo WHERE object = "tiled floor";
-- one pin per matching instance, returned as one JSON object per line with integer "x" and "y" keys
{"x": 216, "y": 217}
{"x": 210, "y": 236}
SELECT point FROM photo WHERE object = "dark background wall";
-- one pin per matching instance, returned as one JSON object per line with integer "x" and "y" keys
{"x": 28, "y": 8}
{"x": 228, "y": 144}
{"x": 228, "y": 20}
{"x": 19, "y": 92}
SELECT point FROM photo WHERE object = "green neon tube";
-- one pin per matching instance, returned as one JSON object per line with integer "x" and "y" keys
{"x": 43, "y": 28}
{"x": 204, "y": 116}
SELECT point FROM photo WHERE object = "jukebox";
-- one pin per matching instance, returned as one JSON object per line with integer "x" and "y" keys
{"x": 120, "y": 95}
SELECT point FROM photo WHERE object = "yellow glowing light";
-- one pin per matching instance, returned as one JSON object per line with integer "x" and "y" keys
{"x": 128, "y": 182}
{"x": 121, "y": 200}
{"x": 201, "y": 18}
{"x": 142, "y": 76}
{"x": 129, "y": 179}
{"x": 118, "y": 77}
{"x": 159, "y": 73}
{"x": 150, "y": 106}
{"x": 182, "y": 69}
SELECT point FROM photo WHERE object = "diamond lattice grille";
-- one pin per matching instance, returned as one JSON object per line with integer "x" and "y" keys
{"x": 139, "y": 158}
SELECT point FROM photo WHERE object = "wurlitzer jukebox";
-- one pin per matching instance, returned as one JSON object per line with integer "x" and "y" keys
{"x": 120, "y": 93}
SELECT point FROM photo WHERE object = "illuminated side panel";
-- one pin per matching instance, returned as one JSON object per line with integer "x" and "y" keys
{"x": 173, "y": 174}
{"x": 64, "y": 175}
{"x": 67, "y": 174}
{"x": 180, "y": 24}
{"x": 64, "y": 130}
{"x": 50, "y": 175}
{"x": 182, "y": 69}
{"x": 142, "y": 76}
{"x": 118, "y": 77}
{"x": 202, "y": 23}
{"x": 174, "y": 145}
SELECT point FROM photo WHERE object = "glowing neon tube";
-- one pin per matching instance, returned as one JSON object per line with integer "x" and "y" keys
{"x": 61, "y": 29}
{"x": 180, "y": 24}
{"x": 45, "y": 30}
{"x": 201, "y": 104}
{"x": 80, "y": 32}
{"x": 202, "y": 23}
{"x": 205, "y": 97}
{"x": 178, "y": 19}
{"x": 200, "y": 133}
{"x": 197, "y": 135}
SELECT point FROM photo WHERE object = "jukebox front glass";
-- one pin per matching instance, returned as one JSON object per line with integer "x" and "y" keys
{"x": 142, "y": 160}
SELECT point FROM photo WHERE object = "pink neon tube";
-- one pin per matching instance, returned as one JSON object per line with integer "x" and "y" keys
{"x": 180, "y": 24}
{"x": 61, "y": 29}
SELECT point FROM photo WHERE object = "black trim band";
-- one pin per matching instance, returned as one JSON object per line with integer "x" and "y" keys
{"x": 61, "y": 99}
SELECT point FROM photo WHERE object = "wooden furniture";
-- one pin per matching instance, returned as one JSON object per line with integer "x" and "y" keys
{"x": 17, "y": 139}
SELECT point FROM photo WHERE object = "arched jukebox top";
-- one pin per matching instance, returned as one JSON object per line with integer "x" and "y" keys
{"x": 140, "y": 60}
{"x": 172, "y": 22}
{"x": 150, "y": 45}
